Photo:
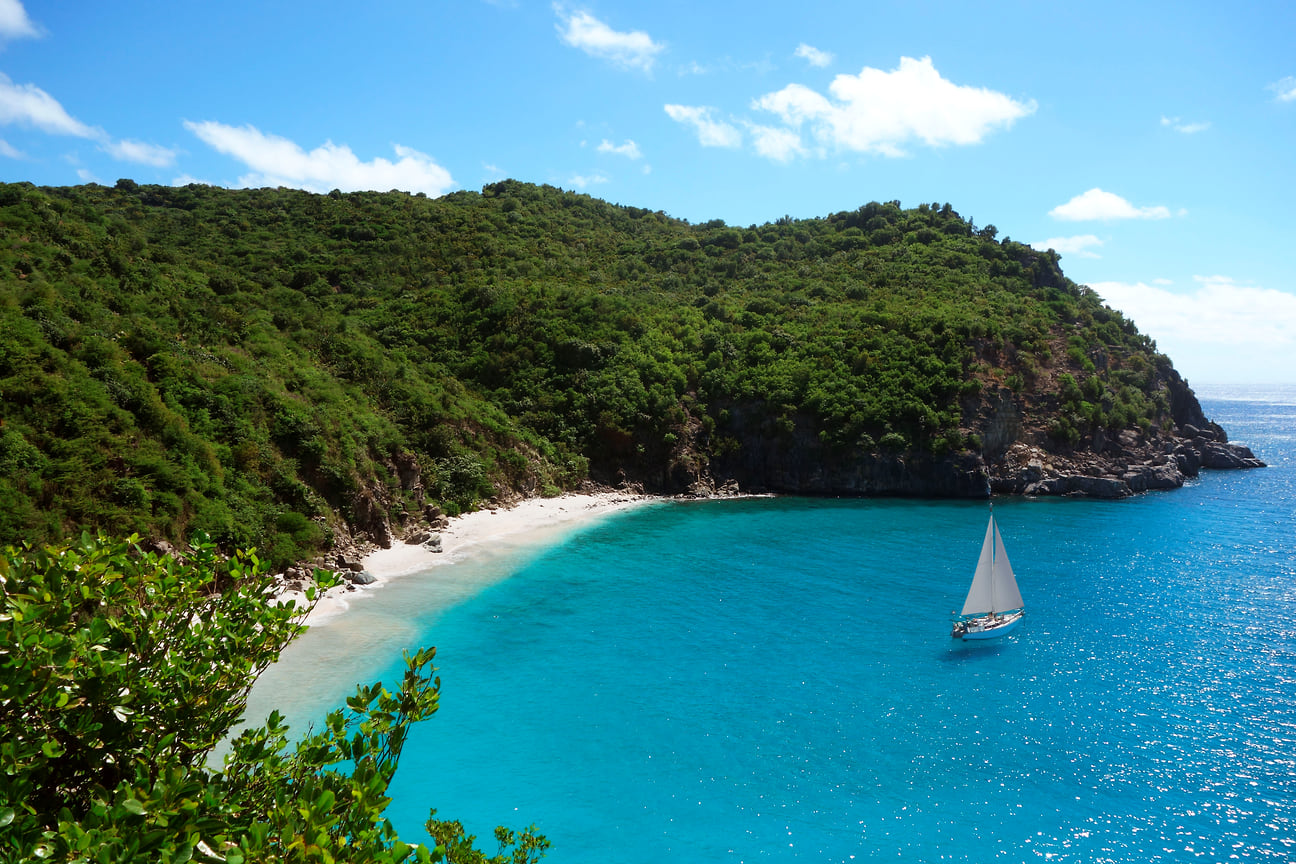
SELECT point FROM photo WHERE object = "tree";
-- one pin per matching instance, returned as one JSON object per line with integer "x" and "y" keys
{"x": 120, "y": 669}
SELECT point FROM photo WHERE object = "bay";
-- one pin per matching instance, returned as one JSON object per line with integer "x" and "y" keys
{"x": 773, "y": 680}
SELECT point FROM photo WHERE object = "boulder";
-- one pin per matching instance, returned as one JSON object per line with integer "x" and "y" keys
{"x": 417, "y": 536}
{"x": 1187, "y": 460}
{"x": 362, "y": 577}
{"x": 1141, "y": 478}
{"x": 1215, "y": 454}
{"x": 350, "y": 561}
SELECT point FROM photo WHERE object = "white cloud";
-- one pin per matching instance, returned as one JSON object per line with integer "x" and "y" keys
{"x": 880, "y": 112}
{"x": 629, "y": 149}
{"x": 276, "y": 161}
{"x": 1179, "y": 125}
{"x": 581, "y": 181}
{"x": 710, "y": 132}
{"x": 781, "y": 145}
{"x": 1078, "y": 245}
{"x": 1285, "y": 89}
{"x": 8, "y": 151}
{"x": 28, "y": 105}
{"x": 138, "y": 151}
{"x": 813, "y": 55}
{"x": 14, "y": 23}
{"x": 1222, "y": 331}
{"x": 1097, "y": 204}
{"x": 633, "y": 50}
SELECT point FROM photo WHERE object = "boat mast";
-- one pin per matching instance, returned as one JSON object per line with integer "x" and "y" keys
{"x": 994, "y": 562}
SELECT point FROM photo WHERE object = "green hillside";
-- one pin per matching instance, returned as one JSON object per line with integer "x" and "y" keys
{"x": 278, "y": 368}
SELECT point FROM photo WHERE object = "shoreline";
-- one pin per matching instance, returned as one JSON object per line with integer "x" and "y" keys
{"x": 351, "y": 625}
{"x": 468, "y": 535}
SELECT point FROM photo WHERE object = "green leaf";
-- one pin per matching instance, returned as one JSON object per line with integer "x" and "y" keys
{"x": 6, "y": 816}
{"x": 132, "y": 805}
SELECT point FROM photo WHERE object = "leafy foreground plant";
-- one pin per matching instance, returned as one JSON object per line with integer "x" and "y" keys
{"x": 120, "y": 670}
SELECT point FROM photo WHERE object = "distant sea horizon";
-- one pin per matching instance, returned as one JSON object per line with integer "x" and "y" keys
{"x": 773, "y": 679}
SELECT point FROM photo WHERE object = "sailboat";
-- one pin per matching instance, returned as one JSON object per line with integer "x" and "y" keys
{"x": 994, "y": 605}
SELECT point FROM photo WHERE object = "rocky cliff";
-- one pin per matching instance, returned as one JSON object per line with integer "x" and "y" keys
{"x": 1018, "y": 455}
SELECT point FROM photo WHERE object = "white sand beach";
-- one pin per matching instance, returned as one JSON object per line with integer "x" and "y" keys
{"x": 529, "y": 523}
{"x": 349, "y": 630}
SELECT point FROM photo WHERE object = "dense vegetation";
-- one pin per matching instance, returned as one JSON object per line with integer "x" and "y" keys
{"x": 271, "y": 367}
{"x": 120, "y": 670}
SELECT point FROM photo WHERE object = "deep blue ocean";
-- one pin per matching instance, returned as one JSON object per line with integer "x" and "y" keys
{"x": 773, "y": 680}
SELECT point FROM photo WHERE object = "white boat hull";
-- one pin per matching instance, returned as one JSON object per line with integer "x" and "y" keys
{"x": 987, "y": 627}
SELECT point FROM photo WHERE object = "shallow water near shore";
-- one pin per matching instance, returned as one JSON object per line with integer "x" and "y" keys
{"x": 320, "y": 669}
{"x": 773, "y": 679}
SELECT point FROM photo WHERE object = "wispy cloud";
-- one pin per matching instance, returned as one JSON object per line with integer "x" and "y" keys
{"x": 140, "y": 152}
{"x": 8, "y": 151}
{"x": 710, "y": 132}
{"x": 29, "y": 105}
{"x": 1079, "y": 245}
{"x": 582, "y": 181}
{"x": 629, "y": 149}
{"x": 883, "y": 112}
{"x": 14, "y": 23}
{"x": 813, "y": 55}
{"x": 1179, "y": 125}
{"x": 276, "y": 161}
{"x": 1222, "y": 330}
{"x": 630, "y": 50}
{"x": 1104, "y": 206}
{"x": 1284, "y": 90}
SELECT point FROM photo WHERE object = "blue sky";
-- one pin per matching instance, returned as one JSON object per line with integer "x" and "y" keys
{"x": 1152, "y": 144}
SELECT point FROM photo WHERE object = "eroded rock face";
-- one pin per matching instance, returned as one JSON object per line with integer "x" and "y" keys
{"x": 1017, "y": 455}
{"x": 370, "y": 517}
{"x": 796, "y": 462}
{"x": 1126, "y": 463}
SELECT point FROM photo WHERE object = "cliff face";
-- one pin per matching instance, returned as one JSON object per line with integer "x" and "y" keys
{"x": 767, "y": 458}
{"x": 1106, "y": 463}
{"x": 1018, "y": 455}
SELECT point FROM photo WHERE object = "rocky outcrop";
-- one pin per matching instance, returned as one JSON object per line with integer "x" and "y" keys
{"x": 369, "y": 516}
{"x": 758, "y": 451}
{"x": 1017, "y": 455}
{"x": 1116, "y": 466}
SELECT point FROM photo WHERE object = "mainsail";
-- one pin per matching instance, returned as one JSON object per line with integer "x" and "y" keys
{"x": 994, "y": 587}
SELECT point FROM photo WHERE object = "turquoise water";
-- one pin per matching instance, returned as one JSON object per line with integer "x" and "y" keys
{"x": 773, "y": 680}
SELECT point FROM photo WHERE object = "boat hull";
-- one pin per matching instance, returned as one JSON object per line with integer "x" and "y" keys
{"x": 987, "y": 627}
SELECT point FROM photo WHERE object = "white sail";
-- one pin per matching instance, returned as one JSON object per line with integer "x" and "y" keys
{"x": 994, "y": 587}
{"x": 1006, "y": 594}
